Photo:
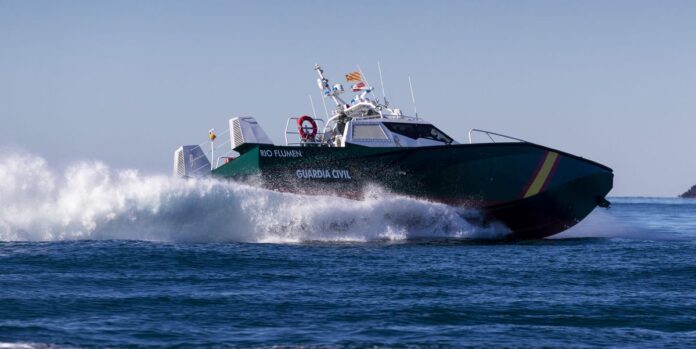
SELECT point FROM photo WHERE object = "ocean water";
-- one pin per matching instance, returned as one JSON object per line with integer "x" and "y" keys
{"x": 93, "y": 257}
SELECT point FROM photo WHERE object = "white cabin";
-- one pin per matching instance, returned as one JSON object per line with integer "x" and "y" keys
{"x": 363, "y": 121}
{"x": 394, "y": 133}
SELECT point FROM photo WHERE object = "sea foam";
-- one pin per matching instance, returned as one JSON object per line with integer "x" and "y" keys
{"x": 89, "y": 200}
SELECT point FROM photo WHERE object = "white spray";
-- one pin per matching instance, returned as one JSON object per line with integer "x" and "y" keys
{"x": 91, "y": 201}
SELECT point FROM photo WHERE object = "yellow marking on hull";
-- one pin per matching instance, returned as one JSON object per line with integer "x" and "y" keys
{"x": 542, "y": 175}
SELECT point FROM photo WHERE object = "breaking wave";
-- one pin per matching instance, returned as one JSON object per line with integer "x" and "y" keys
{"x": 91, "y": 201}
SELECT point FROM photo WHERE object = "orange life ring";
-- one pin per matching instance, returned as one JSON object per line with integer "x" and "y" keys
{"x": 304, "y": 133}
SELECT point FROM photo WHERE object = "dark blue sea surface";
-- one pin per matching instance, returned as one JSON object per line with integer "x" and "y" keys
{"x": 626, "y": 277}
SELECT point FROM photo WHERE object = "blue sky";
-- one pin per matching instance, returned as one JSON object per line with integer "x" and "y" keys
{"x": 127, "y": 82}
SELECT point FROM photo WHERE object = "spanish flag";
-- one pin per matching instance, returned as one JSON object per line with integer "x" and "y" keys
{"x": 354, "y": 76}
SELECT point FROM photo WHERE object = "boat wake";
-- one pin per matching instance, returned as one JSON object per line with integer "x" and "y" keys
{"x": 636, "y": 218}
{"x": 90, "y": 201}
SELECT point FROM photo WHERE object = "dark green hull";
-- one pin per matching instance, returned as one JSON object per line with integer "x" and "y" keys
{"x": 533, "y": 190}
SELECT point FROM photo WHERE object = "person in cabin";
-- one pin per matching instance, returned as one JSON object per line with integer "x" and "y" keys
{"x": 341, "y": 123}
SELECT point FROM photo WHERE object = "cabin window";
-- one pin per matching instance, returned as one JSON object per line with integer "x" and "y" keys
{"x": 416, "y": 131}
{"x": 370, "y": 132}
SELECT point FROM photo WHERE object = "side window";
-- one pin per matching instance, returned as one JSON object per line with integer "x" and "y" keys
{"x": 369, "y": 132}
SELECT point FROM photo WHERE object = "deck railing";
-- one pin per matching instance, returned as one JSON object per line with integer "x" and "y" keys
{"x": 489, "y": 133}
{"x": 220, "y": 147}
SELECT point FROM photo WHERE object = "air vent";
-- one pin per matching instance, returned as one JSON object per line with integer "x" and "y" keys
{"x": 237, "y": 135}
{"x": 179, "y": 169}
{"x": 190, "y": 161}
{"x": 246, "y": 130}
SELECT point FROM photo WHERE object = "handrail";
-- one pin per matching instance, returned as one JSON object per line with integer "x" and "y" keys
{"x": 489, "y": 133}
{"x": 204, "y": 147}
{"x": 216, "y": 146}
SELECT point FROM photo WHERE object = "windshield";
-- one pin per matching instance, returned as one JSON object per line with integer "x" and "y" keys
{"x": 416, "y": 131}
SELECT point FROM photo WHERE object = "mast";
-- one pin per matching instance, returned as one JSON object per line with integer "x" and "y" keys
{"x": 323, "y": 84}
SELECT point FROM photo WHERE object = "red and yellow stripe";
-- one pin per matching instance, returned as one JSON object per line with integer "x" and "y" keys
{"x": 542, "y": 175}
{"x": 354, "y": 76}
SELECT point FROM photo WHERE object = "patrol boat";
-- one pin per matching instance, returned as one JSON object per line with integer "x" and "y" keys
{"x": 535, "y": 191}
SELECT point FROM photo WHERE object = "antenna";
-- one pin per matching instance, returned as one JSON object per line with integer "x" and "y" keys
{"x": 413, "y": 97}
{"x": 381, "y": 83}
{"x": 311, "y": 101}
